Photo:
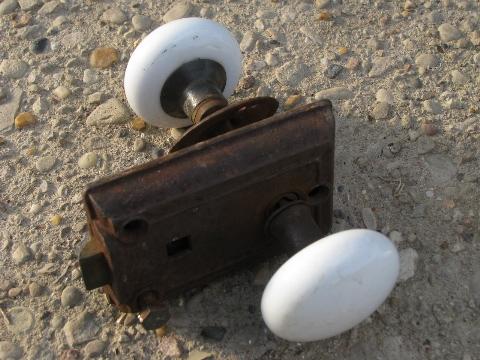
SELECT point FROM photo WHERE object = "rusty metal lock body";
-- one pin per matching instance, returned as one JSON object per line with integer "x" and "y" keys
{"x": 182, "y": 220}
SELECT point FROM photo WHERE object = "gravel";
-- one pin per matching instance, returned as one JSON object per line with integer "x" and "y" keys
{"x": 71, "y": 296}
{"x": 13, "y": 69}
{"x": 110, "y": 112}
{"x": 81, "y": 329}
{"x": 415, "y": 170}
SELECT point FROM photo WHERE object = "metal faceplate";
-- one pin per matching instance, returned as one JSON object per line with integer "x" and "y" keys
{"x": 182, "y": 220}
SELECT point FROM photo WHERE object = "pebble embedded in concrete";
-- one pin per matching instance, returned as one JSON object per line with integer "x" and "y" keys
{"x": 88, "y": 160}
{"x": 112, "y": 111}
{"x": 335, "y": 93}
{"x": 45, "y": 163}
{"x": 178, "y": 11}
{"x": 13, "y": 69}
{"x": 408, "y": 264}
{"x": 81, "y": 329}
{"x": 102, "y": 58}
{"x": 448, "y": 32}
{"x": 71, "y": 296}
{"x": 114, "y": 16}
{"x": 141, "y": 22}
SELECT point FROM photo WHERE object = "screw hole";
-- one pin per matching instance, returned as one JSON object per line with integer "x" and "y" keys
{"x": 179, "y": 246}
{"x": 319, "y": 192}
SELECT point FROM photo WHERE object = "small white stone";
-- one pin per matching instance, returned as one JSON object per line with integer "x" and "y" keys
{"x": 271, "y": 59}
{"x": 112, "y": 111}
{"x": 90, "y": 76}
{"x": 39, "y": 106}
{"x": 10, "y": 350}
{"x": 141, "y": 22}
{"x": 426, "y": 61}
{"x": 62, "y": 92}
{"x": 45, "y": 163}
{"x": 448, "y": 32}
{"x": 48, "y": 8}
{"x": 26, "y": 5}
{"x": 335, "y": 93}
{"x": 59, "y": 21}
{"x": 71, "y": 296}
{"x": 476, "y": 58}
{"x": 396, "y": 237}
{"x": 21, "y": 254}
{"x": 114, "y": 16}
{"x": 21, "y": 320}
{"x": 385, "y": 96}
{"x": 458, "y": 78}
{"x": 381, "y": 110}
{"x": 248, "y": 41}
{"x": 369, "y": 219}
{"x": 88, "y": 160}
{"x": 13, "y": 69}
{"x": 95, "y": 98}
{"x": 432, "y": 106}
{"x": 138, "y": 145}
{"x": 408, "y": 264}
{"x": 7, "y": 6}
{"x": 35, "y": 209}
{"x": 178, "y": 11}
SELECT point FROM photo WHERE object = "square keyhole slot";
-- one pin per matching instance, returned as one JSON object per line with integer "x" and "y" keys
{"x": 179, "y": 246}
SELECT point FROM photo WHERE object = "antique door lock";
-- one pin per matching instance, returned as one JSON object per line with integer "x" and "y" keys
{"x": 242, "y": 184}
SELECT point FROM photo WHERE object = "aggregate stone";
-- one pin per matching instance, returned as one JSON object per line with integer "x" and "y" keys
{"x": 448, "y": 32}
{"x": 425, "y": 145}
{"x": 62, "y": 92}
{"x": 88, "y": 160}
{"x": 381, "y": 110}
{"x": 21, "y": 320}
{"x": 102, "y": 58}
{"x": 26, "y": 5}
{"x": 384, "y": 95}
{"x": 432, "y": 106}
{"x": 7, "y": 6}
{"x": 427, "y": 61}
{"x": 114, "y": 16}
{"x": 94, "y": 348}
{"x": 10, "y": 350}
{"x": 369, "y": 219}
{"x": 380, "y": 65}
{"x": 45, "y": 163}
{"x": 9, "y": 109}
{"x": 178, "y": 11}
{"x": 248, "y": 41}
{"x": 35, "y": 289}
{"x": 442, "y": 169}
{"x": 459, "y": 78}
{"x": 408, "y": 264}
{"x": 291, "y": 74}
{"x": 21, "y": 254}
{"x": 113, "y": 111}
{"x": 71, "y": 296}
{"x": 48, "y": 7}
{"x": 335, "y": 93}
{"x": 81, "y": 329}
{"x": 13, "y": 69}
{"x": 333, "y": 70}
{"x": 141, "y": 22}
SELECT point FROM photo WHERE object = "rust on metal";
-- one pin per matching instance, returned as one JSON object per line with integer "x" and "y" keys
{"x": 227, "y": 119}
{"x": 180, "y": 221}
